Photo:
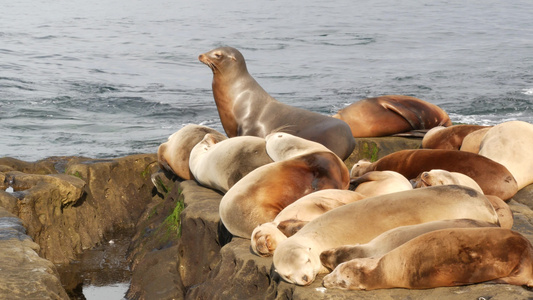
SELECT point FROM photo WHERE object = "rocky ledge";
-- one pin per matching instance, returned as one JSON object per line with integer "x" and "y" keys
{"x": 179, "y": 249}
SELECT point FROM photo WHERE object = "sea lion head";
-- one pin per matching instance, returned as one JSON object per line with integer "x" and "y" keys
{"x": 265, "y": 239}
{"x": 435, "y": 177}
{"x": 201, "y": 148}
{"x": 224, "y": 61}
{"x": 296, "y": 263}
{"x": 350, "y": 275}
{"x": 360, "y": 168}
{"x": 282, "y": 145}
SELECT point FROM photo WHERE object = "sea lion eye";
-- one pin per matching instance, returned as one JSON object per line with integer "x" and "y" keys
{"x": 217, "y": 55}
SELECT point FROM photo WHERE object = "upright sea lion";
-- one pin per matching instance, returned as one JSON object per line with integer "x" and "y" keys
{"x": 446, "y": 257}
{"x": 297, "y": 259}
{"x": 173, "y": 155}
{"x": 448, "y": 138}
{"x": 263, "y": 193}
{"x": 391, "y": 239}
{"x": 492, "y": 177}
{"x": 391, "y": 114}
{"x": 380, "y": 182}
{"x": 267, "y": 236}
{"x": 510, "y": 144}
{"x": 219, "y": 165}
{"x": 245, "y": 108}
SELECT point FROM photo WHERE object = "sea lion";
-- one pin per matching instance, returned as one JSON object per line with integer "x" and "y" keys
{"x": 297, "y": 259}
{"x": 267, "y": 236}
{"x": 263, "y": 193}
{"x": 492, "y": 177}
{"x": 510, "y": 144}
{"x": 391, "y": 239}
{"x": 505, "y": 214}
{"x": 380, "y": 182}
{"x": 472, "y": 141}
{"x": 446, "y": 257}
{"x": 449, "y": 138}
{"x": 442, "y": 177}
{"x": 391, "y": 114}
{"x": 282, "y": 145}
{"x": 245, "y": 108}
{"x": 173, "y": 155}
{"x": 219, "y": 165}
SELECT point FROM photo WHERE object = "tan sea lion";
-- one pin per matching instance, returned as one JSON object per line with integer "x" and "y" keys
{"x": 449, "y": 138}
{"x": 510, "y": 144}
{"x": 391, "y": 114}
{"x": 505, "y": 214}
{"x": 173, "y": 155}
{"x": 442, "y": 177}
{"x": 492, "y": 177}
{"x": 282, "y": 145}
{"x": 263, "y": 193}
{"x": 267, "y": 236}
{"x": 446, "y": 257}
{"x": 472, "y": 141}
{"x": 391, "y": 239}
{"x": 380, "y": 182}
{"x": 219, "y": 165}
{"x": 297, "y": 259}
{"x": 245, "y": 108}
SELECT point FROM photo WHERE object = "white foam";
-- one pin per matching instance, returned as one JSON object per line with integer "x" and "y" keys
{"x": 528, "y": 92}
{"x": 115, "y": 291}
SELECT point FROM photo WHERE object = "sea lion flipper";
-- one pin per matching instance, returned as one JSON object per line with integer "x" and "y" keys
{"x": 414, "y": 119}
{"x": 290, "y": 227}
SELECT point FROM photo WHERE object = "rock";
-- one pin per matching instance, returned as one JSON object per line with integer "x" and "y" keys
{"x": 66, "y": 213}
{"x": 201, "y": 229}
{"x": 23, "y": 274}
{"x": 373, "y": 149}
{"x": 153, "y": 251}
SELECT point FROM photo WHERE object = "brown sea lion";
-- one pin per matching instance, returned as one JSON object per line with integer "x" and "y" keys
{"x": 245, "y": 108}
{"x": 380, "y": 182}
{"x": 297, "y": 259}
{"x": 267, "y": 236}
{"x": 492, "y": 177}
{"x": 173, "y": 155}
{"x": 220, "y": 164}
{"x": 391, "y": 239}
{"x": 446, "y": 257}
{"x": 263, "y": 193}
{"x": 511, "y": 144}
{"x": 391, "y": 114}
{"x": 448, "y": 138}
{"x": 472, "y": 141}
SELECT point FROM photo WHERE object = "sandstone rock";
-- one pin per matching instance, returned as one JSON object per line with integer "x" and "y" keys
{"x": 153, "y": 251}
{"x": 66, "y": 213}
{"x": 23, "y": 274}
{"x": 201, "y": 229}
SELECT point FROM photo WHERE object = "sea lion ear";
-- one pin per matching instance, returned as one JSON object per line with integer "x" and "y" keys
{"x": 233, "y": 57}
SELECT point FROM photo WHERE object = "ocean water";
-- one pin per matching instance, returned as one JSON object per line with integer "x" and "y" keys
{"x": 111, "y": 78}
